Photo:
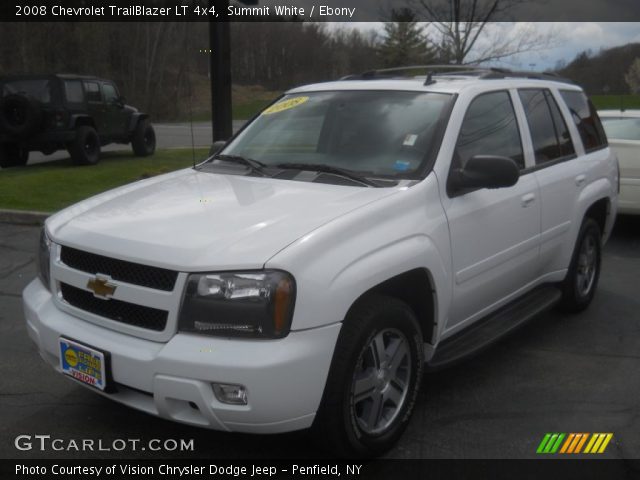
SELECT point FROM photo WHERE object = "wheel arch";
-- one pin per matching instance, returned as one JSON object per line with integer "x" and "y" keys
{"x": 415, "y": 288}
{"x": 83, "y": 120}
{"x": 136, "y": 118}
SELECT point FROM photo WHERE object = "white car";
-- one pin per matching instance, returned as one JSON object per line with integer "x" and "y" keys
{"x": 351, "y": 235}
{"x": 623, "y": 131}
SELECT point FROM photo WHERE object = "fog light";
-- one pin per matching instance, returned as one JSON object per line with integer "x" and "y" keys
{"x": 233, "y": 394}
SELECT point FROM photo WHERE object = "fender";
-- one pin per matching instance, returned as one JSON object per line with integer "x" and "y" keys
{"x": 134, "y": 119}
{"x": 341, "y": 260}
{"x": 81, "y": 119}
{"x": 597, "y": 190}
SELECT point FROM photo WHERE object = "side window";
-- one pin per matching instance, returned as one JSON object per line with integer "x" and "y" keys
{"x": 110, "y": 93}
{"x": 586, "y": 119}
{"x": 562, "y": 131}
{"x": 93, "y": 91}
{"x": 73, "y": 91}
{"x": 489, "y": 128}
{"x": 549, "y": 133}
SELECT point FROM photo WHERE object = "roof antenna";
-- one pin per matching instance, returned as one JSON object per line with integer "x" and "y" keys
{"x": 190, "y": 95}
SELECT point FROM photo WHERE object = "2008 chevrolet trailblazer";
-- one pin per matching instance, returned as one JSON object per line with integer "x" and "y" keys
{"x": 351, "y": 234}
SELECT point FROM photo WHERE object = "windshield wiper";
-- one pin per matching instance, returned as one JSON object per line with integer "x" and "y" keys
{"x": 254, "y": 165}
{"x": 324, "y": 168}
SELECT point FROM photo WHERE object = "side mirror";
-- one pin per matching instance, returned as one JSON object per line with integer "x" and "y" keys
{"x": 485, "y": 171}
{"x": 216, "y": 147}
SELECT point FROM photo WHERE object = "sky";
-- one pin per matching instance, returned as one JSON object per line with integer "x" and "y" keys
{"x": 568, "y": 39}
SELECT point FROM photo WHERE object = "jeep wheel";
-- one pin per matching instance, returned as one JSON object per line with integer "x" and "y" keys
{"x": 85, "y": 149}
{"x": 20, "y": 115}
{"x": 579, "y": 286}
{"x": 144, "y": 139}
{"x": 374, "y": 379}
{"x": 13, "y": 155}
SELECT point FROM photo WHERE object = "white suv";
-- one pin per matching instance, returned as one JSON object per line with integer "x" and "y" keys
{"x": 352, "y": 235}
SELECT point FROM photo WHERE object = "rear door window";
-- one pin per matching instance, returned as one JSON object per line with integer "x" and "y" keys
{"x": 549, "y": 132}
{"x": 93, "y": 91}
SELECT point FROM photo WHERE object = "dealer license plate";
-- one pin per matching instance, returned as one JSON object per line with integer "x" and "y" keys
{"x": 83, "y": 363}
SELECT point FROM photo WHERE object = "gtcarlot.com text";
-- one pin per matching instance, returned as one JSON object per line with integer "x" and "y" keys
{"x": 46, "y": 443}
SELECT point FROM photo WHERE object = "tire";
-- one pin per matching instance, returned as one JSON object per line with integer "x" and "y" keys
{"x": 20, "y": 115}
{"x": 347, "y": 423}
{"x": 579, "y": 286}
{"x": 144, "y": 139}
{"x": 85, "y": 149}
{"x": 13, "y": 155}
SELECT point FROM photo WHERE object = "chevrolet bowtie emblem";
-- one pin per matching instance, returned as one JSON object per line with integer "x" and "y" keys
{"x": 101, "y": 287}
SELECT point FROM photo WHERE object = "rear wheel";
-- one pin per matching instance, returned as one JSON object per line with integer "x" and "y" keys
{"x": 13, "y": 155}
{"x": 85, "y": 149}
{"x": 374, "y": 379}
{"x": 144, "y": 139}
{"x": 579, "y": 286}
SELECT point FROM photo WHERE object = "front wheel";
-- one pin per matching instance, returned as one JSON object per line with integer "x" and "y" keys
{"x": 144, "y": 139}
{"x": 579, "y": 286}
{"x": 373, "y": 381}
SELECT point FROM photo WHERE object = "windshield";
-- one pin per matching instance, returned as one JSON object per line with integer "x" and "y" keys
{"x": 38, "y": 89}
{"x": 374, "y": 133}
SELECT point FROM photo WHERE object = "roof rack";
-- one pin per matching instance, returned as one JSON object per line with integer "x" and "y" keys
{"x": 485, "y": 73}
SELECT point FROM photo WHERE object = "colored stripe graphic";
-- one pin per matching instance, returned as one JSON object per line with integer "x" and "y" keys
{"x": 573, "y": 443}
{"x": 550, "y": 443}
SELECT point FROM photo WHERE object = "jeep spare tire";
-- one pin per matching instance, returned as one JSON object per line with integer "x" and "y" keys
{"x": 143, "y": 141}
{"x": 85, "y": 149}
{"x": 20, "y": 115}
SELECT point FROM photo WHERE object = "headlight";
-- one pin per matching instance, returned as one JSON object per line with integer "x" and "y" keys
{"x": 44, "y": 256}
{"x": 250, "y": 304}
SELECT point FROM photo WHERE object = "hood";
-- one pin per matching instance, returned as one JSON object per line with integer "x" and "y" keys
{"x": 197, "y": 221}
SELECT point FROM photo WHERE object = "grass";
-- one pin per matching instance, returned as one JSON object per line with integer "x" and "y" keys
{"x": 247, "y": 100}
{"x": 51, "y": 186}
{"x": 605, "y": 102}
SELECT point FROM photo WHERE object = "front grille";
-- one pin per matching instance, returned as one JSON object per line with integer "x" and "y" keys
{"x": 143, "y": 275}
{"x": 124, "y": 312}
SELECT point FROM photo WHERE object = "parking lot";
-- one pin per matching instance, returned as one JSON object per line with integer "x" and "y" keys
{"x": 557, "y": 374}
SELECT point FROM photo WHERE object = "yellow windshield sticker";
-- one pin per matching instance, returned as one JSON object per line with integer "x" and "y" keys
{"x": 285, "y": 105}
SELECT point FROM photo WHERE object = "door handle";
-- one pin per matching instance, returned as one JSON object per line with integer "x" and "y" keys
{"x": 528, "y": 199}
{"x": 580, "y": 179}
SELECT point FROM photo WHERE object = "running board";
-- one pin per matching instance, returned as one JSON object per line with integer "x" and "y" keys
{"x": 483, "y": 333}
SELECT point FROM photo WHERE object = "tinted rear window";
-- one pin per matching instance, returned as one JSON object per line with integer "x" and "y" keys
{"x": 551, "y": 139}
{"x": 586, "y": 119}
{"x": 37, "y": 89}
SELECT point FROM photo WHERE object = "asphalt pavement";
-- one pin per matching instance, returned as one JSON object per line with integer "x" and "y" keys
{"x": 168, "y": 135}
{"x": 560, "y": 373}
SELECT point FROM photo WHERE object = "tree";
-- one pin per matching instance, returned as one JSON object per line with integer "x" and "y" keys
{"x": 462, "y": 25}
{"x": 633, "y": 76}
{"x": 404, "y": 42}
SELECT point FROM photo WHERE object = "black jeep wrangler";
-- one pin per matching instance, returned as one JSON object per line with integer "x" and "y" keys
{"x": 53, "y": 112}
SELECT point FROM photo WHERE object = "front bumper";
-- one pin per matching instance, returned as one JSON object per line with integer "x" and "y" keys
{"x": 284, "y": 378}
